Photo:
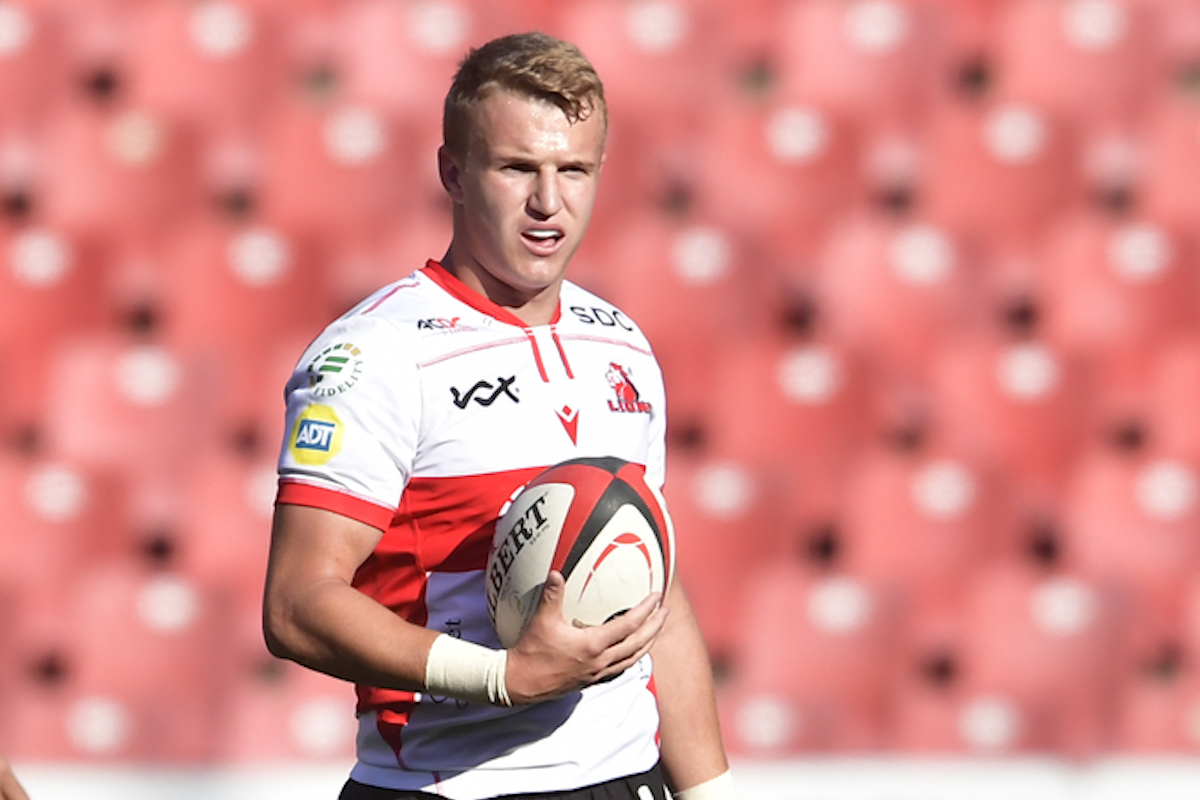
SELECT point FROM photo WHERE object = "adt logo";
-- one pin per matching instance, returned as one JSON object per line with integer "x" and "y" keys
{"x": 315, "y": 435}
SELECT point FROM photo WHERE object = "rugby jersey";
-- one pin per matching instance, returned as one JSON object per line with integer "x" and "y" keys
{"x": 421, "y": 412}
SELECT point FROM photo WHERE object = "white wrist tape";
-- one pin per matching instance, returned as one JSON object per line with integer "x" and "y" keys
{"x": 466, "y": 671}
{"x": 718, "y": 788}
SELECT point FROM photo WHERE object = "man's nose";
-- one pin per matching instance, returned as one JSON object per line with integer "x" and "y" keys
{"x": 546, "y": 200}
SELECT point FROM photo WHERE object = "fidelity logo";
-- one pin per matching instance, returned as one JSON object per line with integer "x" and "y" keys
{"x": 335, "y": 369}
{"x": 504, "y": 388}
{"x": 628, "y": 399}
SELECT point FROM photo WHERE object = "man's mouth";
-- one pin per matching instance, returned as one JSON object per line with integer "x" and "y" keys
{"x": 543, "y": 241}
{"x": 543, "y": 234}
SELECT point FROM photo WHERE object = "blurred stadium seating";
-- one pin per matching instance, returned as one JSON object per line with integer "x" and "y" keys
{"x": 924, "y": 276}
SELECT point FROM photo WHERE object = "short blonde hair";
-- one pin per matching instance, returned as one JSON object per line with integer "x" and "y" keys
{"x": 532, "y": 64}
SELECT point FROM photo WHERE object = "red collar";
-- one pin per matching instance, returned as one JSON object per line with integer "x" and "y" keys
{"x": 460, "y": 291}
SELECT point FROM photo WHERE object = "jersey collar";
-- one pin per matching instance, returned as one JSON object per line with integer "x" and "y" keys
{"x": 459, "y": 291}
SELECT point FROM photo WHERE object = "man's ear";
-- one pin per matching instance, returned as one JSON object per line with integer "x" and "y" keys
{"x": 450, "y": 173}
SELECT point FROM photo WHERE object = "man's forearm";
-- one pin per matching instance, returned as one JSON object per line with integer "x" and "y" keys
{"x": 692, "y": 750}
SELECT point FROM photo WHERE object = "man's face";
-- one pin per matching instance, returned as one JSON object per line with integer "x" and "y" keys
{"x": 523, "y": 194}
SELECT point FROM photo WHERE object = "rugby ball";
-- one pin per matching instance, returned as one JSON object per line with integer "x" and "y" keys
{"x": 596, "y": 521}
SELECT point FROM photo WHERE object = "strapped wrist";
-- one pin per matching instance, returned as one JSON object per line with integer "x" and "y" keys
{"x": 467, "y": 671}
{"x": 718, "y": 788}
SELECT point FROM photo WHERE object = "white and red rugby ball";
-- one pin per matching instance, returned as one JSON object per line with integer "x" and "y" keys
{"x": 596, "y": 521}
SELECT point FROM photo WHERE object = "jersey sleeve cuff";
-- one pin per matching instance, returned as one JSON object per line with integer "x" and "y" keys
{"x": 356, "y": 508}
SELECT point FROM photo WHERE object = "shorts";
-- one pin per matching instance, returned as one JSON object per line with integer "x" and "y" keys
{"x": 645, "y": 786}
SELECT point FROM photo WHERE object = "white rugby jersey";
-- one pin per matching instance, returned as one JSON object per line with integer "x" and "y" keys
{"x": 421, "y": 412}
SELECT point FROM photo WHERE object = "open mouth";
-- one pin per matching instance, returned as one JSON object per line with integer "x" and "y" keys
{"x": 543, "y": 239}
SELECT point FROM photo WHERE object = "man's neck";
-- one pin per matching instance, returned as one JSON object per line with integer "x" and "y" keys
{"x": 531, "y": 308}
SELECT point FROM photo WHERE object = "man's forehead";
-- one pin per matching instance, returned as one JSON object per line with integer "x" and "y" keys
{"x": 506, "y": 119}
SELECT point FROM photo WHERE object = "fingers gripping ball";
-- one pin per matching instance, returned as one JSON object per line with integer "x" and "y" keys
{"x": 596, "y": 521}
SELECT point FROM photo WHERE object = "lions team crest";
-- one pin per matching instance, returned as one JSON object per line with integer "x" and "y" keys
{"x": 335, "y": 369}
{"x": 628, "y": 399}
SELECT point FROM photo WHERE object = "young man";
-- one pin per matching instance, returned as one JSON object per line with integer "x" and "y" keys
{"x": 417, "y": 415}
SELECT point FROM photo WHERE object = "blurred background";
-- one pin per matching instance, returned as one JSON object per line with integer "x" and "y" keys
{"x": 923, "y": 276}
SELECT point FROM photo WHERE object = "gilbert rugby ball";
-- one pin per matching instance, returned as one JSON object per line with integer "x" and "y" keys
{"x": 596, "y": 521}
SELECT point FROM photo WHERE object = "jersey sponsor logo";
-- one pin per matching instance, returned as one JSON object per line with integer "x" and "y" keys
{"x": 335, "y": 369}
{"x": 628, "y": 399}
{"x": 485, "y": 393}
{"x": 316, "y": 436}
{"x": 441, "y": 324}
{"x": 608, "y": 318}
{"x": 569, "y": 417}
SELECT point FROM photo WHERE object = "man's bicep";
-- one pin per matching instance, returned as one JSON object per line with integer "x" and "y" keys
{"x": 313, "y": 544}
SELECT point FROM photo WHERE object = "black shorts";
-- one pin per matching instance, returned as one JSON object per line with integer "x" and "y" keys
{"x": 646, "y": 786}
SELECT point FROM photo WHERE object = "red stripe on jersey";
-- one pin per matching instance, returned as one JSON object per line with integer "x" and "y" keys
{"x": 406, "y": 284}
{"x": 305, "y": 494}
{"x": 537, "y": 355}
{"x": 584, "y": 337}
{"x": 457, "y": 289}
{"x": 561, "y": 353}
{"x": 442, "y": 525}
{"x": 653, "y": 689}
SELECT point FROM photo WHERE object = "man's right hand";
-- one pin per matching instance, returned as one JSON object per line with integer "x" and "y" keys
{"x": 554, "y": 657}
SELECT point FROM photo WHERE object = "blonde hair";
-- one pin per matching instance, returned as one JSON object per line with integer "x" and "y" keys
{"x": 532, "y": 64}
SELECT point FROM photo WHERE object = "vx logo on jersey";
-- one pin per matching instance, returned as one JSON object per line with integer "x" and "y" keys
{"x": 505, "y": 388}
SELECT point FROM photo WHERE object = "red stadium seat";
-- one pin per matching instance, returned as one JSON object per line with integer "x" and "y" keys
{"x": 895, "y": 291}
{"x": 628, "y": 40}
{"x": 125, "y": 406}
{"x": 817, "y": 664}
{"x": 1087, "y": 61}
{"x": 1157, "y": 718}
{"x": 802, "y": 160}
{"x": 924, "y": 523}
{"x": 1038, "y": 664}
{"x": 799, "y": 405}
{"x": 334, "y": 168}
{"x": 272, "y": 710}
{"x": 222, "y": 523}
{"x": 60, "y": 517}
{"x": 147, "y": 654}
{"x": 401, "y": 57}
{"x": 127, "y": 169}
{"x": 1130, "y": 521}
{"x": 226, "y": 293}
{"x": 51, "y": 288}
{"x": 1174, "y": 392}
{"x": 860, "y": 59}
{"x": 1160, "y": 696}
{"x": 1116, "y": 289}
{"x": 713, "y": 503}
{"x": 926, "y": 705}
{"x": 206, "y": 64}
{"x": 1016, "y": 404}
{"x": 1171, "y": 163}
{"x": 999, "y": 172}
{"x": 30, "y": 64}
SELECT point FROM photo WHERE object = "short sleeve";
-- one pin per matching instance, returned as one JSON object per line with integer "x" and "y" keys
{"x": 353, "y": 415}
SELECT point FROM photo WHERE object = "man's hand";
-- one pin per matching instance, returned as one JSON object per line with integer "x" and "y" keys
{"x": 10, "y": 787}
{"x": 554, "y": 657}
